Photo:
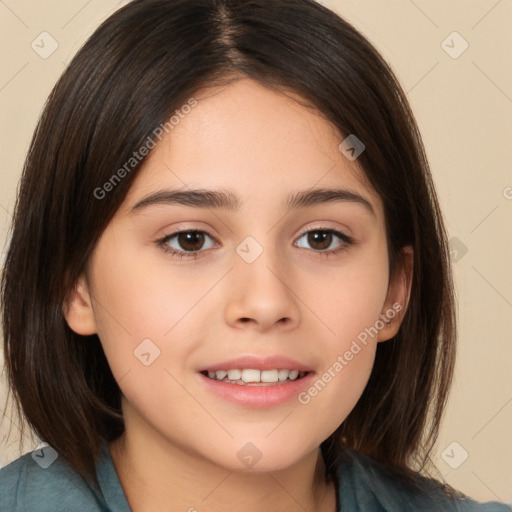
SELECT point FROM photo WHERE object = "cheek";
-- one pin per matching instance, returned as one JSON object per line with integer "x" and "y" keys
{"x": 150, "y": 322}
{"x": 340, "y": 383}
{"x": 348, "y": 301}
{"x": 347, "y": 357}
{"x": 349, "y": 298}
{"x": 138, "y": 291}
{"x": 145, "y": 322}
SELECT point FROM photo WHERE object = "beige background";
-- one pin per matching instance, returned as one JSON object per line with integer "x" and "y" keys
{"x": 464, "y": 109}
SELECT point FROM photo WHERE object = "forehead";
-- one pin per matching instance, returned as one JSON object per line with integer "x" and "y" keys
{"x": 256, "y": 142}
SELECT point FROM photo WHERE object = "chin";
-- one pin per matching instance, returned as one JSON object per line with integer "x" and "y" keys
{"x": 261, "y": 456}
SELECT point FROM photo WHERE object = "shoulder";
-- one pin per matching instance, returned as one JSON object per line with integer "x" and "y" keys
{"x": 381, "y": 489}
{"x": 42, "y": 481}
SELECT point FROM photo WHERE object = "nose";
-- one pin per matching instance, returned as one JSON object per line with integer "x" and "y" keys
{"x": 261, "y": 295}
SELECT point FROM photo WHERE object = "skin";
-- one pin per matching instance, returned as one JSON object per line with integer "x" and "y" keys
{"x": 179, "y": 451}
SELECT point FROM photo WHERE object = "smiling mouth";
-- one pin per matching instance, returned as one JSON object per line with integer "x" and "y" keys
{"x": 253, "y": 377}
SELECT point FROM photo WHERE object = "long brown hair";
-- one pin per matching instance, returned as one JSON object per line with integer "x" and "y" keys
{"x": 141, "y": 64}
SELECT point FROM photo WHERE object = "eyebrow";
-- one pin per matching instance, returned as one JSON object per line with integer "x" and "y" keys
{"x": 202, "y": 198}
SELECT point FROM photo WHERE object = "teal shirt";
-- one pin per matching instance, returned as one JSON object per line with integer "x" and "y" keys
{"x": 27, "y": 486}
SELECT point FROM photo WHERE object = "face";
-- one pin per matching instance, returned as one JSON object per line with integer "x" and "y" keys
{"x": 246, "y": 286}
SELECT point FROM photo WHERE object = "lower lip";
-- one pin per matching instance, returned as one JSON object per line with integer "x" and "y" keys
{"x": 262, "y": 397}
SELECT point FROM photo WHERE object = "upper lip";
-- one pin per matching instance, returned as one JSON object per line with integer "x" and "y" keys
{"x": 271, "y": 362}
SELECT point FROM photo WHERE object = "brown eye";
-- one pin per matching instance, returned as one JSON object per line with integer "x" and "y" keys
{"x": 190, "y": 240}
{"x": 186, "y": 243}
{"x": 320, "y": 240}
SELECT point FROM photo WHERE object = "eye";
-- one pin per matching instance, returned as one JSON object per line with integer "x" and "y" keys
{"x": 321, "y": 240}
{"x": 189, "y": 241}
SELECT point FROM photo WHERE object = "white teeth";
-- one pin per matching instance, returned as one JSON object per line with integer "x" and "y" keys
{"x": 269, "y": 376}
{"x": 293, "y": 374}
{"x": 251, "y": 375}
{"x": 283, "y": 374}
{"x": 234, "y": 374}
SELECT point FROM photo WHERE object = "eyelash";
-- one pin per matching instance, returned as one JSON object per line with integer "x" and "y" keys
{"x": 162, "y": 243}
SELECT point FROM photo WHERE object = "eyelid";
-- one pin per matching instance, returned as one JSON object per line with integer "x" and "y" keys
{"x": 318, "y": 227}
{"x": 347, "y": 241}
{"x": 339, "y": 232}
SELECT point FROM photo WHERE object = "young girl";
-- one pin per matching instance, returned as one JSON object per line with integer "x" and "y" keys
{"x": 299, "y": 354}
